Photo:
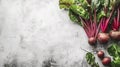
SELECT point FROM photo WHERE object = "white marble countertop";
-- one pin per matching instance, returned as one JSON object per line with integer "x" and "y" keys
{"x": 34, "y": 31}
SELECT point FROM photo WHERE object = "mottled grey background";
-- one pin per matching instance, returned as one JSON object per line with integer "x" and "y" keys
{"x": 36, "y": 33}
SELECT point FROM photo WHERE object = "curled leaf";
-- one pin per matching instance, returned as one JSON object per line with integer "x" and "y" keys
{"x": 91, "y": 60}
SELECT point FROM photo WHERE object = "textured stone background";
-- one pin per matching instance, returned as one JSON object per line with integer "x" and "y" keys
{"x": 36, "y": 32}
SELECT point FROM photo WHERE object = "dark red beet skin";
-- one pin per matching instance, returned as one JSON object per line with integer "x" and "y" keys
{"x": 92, "y": 40}
{"x": 103, "y": 38}
{"x": 106, "y": 61}
{"x": 100, "y": 54}
{"x": 115, "y": 35}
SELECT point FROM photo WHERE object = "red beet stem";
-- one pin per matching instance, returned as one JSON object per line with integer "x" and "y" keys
{"x": 89, "y": 27}
{"x": 118, "y": 17}
{"x": 105, "y": 21}
{"x": 116, "y": 23}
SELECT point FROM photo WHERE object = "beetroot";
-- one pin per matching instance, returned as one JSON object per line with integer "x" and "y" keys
{"x": 100, "y": 54}
{"x": 115, "y": 35}
{"x": 103, "y": 38}
{"x": 92, "y": 41}
{"x": 91, "y": 30}
{"x": 106, "y": 61}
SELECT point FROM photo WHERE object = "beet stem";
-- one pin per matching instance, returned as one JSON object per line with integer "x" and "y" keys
{"x": 118, "y": 16}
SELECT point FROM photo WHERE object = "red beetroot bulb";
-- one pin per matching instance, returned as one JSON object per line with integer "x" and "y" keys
{"x": 103, "y": 38}
{"x": 115, "y": 35}
{"x": 106, "y": 61}
{"x": 100, "y": 54}
{"x": 92, "y": 41}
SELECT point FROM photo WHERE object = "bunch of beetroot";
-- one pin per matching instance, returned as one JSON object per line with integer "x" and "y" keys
{"x": 113, "y": 31}
{"x": 111, "y": 18}
{"x": 105, "y": 60}
{"x": 95, "y": 16}
{"x": 100, "y": 20}
{"x": 103, "y": 21}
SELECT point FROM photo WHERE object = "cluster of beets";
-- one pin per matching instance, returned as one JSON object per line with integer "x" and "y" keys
{"x": 105, "y": 60}
{"x": 104, "y": 35}
{"x": 103, "y": 38}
